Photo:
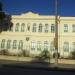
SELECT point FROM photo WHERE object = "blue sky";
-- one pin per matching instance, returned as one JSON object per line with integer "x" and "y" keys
{"x": 44, "y": 7}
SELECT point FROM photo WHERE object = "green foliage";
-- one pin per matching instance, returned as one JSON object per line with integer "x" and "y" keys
{"x": 4, "y": 52}
{"x": 45, "y": 54}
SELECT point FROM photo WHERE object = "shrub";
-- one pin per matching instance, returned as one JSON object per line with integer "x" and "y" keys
{"x": 45, "y": 54}
{"x": 25, "y": 53}
{"x": 54, "y": 55}
{"x": 4, "y": 52}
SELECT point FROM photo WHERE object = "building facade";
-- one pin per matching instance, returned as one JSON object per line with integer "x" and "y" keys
{"x": 35, "y": 33}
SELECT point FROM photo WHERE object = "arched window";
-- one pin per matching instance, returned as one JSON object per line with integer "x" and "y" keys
{"x": 22, "y": 27}
{"x": 17, "y": 27}
{"x": 11, "y": 27}
{"x": 34, "y": 27}
{"x": 3, "y": 43}
{"x": 40, "y": 28}
{"x": 20, "y": 46}
{"x": 14, "y": 44}
{"x": 8, "y": 44}
{"x": 66, "y": 46}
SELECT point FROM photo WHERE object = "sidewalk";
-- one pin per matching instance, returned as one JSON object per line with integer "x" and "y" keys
{"x": 29, "y": 59}
{"x": 25, "y": 62}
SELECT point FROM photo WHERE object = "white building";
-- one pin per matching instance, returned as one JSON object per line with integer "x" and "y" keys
{"x": 35, "y": 33}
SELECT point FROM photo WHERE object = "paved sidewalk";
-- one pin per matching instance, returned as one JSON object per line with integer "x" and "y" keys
{"x": 30, "y": 59}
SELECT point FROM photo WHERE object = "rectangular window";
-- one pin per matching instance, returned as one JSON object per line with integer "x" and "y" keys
{"x": 20, "y": 46}
{"x": 66, "y": 46}
{"x": 8, "y": 44}
{"x": 73, "y": 46}
{"x": 52, "y": 48}
{"x": 40, "y": 28}
{"x": 14, "y": 44}
{"x": 33, "y": 45}
{"x": 39, "y": 45}
{"x": 73, "y": 28}
{"x": 45, "y": 45}
{"x": 65, "y": 27}
{"x": 52, "y": 28}
{"x": 3, "y": 43}
{"x": 46, "y": 28}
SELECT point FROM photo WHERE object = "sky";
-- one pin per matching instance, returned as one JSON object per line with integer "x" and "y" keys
{"x": 43, "y": 7}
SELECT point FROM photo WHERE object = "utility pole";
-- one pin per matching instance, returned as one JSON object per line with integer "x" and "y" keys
{"x": 56, "y": 33}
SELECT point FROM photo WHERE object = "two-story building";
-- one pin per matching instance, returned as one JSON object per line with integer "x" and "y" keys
{"x": 35, "y": 33}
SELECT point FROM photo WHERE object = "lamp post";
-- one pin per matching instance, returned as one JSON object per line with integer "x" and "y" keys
{"x": 56, "y": 32}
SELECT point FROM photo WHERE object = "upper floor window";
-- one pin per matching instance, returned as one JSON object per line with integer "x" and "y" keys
{"x": 3, "y": 43}
{"x": 28, "y": 27}
{"x": 46, "y": 28}
{"x": 52, "y": 28}
{"x": 73, "y": 46}
{"x": 22, "y": 27}
{"x": 39, "y": 45}
{"x": 34, "y": 27}
{"x": 66, "y": 46}
{"x": 40, "y": 28}
{"x": 8, "y": 44}
{"x": 45, "y": 45}
{"x": 17, "y": 27}
{"x": 73, "y": 28}
{"x": 14, "y": 44}
{"x": 33, "y": 45}
{"x": 11, "y": 27}
{"x": 65, "y": 27}
{"x": 20, "y": 46}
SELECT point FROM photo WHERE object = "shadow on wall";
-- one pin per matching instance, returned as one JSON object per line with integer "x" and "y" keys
{"x": 5, "y": 23}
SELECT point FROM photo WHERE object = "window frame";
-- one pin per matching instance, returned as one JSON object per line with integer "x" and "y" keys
{"x": 66, "y": 46}
{"x": 14, "y": 44}
{"x": 17, "y": 27}
{"x": 22, "y": 27}
{"x": 40, "y": 28}
{"x": 65, "y": 27}
{"x": 52, "y": 28}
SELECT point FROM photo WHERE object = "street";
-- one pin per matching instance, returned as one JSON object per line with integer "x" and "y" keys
{"x": 29, "y": 71}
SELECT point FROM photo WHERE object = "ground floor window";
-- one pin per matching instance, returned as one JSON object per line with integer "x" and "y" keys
{"x": 73, "y": 46}
{"x": 33, "y": 45}
{"x": 66, "y": 46}
{"x": 8, "y": 44}
{"x": 14, "y": 44}
{"x": 39, "y": 45}
{"x": 3, "y": 43}
{"x": 45, "y": 45}
{"x": 20, "y": 46}
{"x": 52, "y": 48}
